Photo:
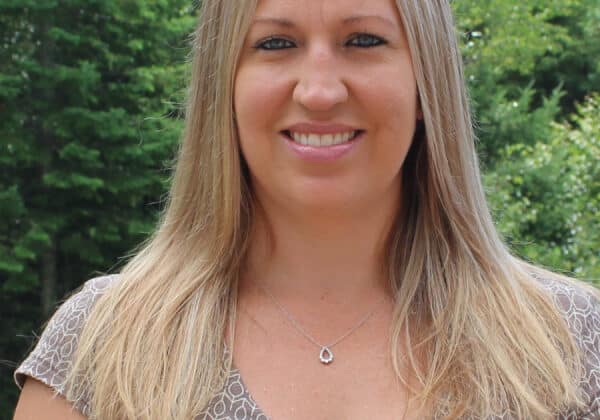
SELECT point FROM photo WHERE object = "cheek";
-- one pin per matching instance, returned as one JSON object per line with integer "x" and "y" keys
{"x": 395, "y": 94}
{"x": 257, "y": 102}
{"x": 392, "y": 105}
{"x": 259, "y": 97}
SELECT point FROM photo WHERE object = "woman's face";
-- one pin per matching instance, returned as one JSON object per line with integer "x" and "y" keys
{"x": 335, "y": 74}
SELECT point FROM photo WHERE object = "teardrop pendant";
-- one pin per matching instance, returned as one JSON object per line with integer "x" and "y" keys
{"x": 326, "y": 356}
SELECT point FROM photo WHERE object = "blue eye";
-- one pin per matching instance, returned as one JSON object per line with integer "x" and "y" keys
{"x": 274, "y": 44}
{"x": 366, "y": 41}
{"x": 361, "y": 40}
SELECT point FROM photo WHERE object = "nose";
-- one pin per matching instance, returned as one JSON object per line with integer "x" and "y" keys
{"x": 320, "y": 85}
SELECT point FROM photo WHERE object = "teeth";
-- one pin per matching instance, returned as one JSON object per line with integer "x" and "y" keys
{"x": 316, "y": 140}
{"x": 327, "y": 140}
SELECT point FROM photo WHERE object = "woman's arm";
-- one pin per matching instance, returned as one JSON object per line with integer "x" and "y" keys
{"x": 38, "y": 401}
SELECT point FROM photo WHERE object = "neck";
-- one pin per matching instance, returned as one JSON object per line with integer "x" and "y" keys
{"x": 315, "y": 256}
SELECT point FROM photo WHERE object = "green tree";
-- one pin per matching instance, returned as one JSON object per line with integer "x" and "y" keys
{"x": 547, "y": 195}
{"x": 89, "y": 95}
{"x": 527, "y": 64}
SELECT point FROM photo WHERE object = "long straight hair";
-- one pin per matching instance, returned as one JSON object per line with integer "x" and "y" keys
{"x": 472, "y": 331}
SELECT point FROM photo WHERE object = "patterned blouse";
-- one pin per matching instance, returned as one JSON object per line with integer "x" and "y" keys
{"x": 50, "y": 360}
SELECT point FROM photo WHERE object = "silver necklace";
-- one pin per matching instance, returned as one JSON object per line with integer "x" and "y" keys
{"x": 325, "y": 354}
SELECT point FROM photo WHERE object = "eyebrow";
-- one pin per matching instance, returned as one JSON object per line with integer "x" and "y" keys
{"x": 286, "y": 23}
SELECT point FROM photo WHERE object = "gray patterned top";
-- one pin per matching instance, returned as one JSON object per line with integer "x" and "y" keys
{"x": 51, "y": 358}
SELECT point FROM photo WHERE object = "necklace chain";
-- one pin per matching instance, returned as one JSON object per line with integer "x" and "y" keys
{"x": 326, "y": 355}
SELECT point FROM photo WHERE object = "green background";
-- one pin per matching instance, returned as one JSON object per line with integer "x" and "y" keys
{"x": 91, "y": 96}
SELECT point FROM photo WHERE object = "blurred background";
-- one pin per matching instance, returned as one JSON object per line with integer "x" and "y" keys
{"x": 91, "y": 96}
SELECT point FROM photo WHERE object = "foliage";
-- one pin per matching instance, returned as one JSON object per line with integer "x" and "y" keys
{"x": 547, "y": 195}
{"x": 89, "y": 95}
{"x": 527, "y": 63}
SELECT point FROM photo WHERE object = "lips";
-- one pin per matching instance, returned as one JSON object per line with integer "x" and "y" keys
{"x": 323, "y": 153}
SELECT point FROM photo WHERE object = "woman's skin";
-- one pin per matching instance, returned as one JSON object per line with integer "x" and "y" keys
{"x": 318, "y": 245}
{"x": 333, "y": 215}
{"x": 321, "y": 226}
{"x": 38, "y": 401}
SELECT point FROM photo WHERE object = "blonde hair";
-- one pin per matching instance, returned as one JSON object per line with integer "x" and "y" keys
{"x": 479, "y": 334}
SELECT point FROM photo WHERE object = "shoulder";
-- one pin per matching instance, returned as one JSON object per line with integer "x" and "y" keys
{"x": 51, "y": 358}
{"x": 579, "y": 304}
{"x": 70, "y": 316}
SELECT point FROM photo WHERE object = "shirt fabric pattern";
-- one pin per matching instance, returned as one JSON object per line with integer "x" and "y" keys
{"x": 51, "y": 358}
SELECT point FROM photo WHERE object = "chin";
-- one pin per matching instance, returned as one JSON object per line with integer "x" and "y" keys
{"x": 330, "y": 201}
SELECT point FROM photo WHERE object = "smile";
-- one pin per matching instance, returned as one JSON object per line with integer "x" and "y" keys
{"x": 321, "y": 140}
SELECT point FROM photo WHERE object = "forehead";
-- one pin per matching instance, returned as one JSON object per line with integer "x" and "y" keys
{"x": 327, "y": 11}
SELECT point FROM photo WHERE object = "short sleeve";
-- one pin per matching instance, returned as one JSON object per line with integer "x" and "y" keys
{"x": 51, "y": 359}
{"x": 582, "y": 313}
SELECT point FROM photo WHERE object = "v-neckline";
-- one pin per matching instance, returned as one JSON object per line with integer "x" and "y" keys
{"x": 234, "y": 371}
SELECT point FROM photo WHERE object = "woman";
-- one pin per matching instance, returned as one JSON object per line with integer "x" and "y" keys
{"x": 327, "y": 240}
